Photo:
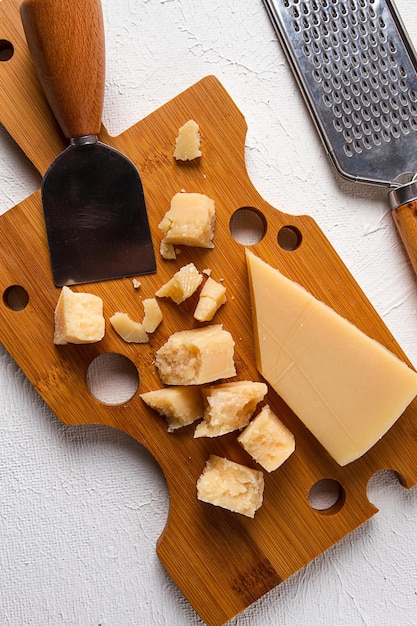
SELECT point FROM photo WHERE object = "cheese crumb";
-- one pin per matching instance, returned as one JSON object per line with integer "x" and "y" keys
{"x": 212, "y": 297}
{"x": 167, "y": 251}
{"x": 187, "y": 143}
{"x": 152, "y": 315}
{"x": 129, "y": 331}
{"x": 196, "y": 356}
{"x": 182, "y": 285}
{"x": 78, "y": 318}
{"x": 231, "y": 486}
{"x": 267, "y": 440}
{"x": 229, "y": 407}
{"x": 180, "y": 406}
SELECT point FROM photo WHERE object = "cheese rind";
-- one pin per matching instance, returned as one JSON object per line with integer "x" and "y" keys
{"x": 78, "y": 318}
{"x": 189, "y": 221}
{"x": 129, "y": 330}
{"x": 182, "y": 285}
{"x": 187, "y": 143}
{"x": 229, "y": 407}
{"x": 180, "y": 406}
{"x": 231, "y": 486}
{"x": 346, "y": 387}
{"x": 196, "y": 356}
{"x": 267, "y": 440}
{"x": 212, "y": 297}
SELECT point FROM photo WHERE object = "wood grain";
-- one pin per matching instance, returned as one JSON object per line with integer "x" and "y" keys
{"x": 405, "y": 219}
{"x": 70, "y": 61}
{"x": 221, "y": 561}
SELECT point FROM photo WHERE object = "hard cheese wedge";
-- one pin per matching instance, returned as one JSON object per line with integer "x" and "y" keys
{"x": 346, "y": 388}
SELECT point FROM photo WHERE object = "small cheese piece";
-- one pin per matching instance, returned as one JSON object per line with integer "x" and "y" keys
{"x": 189, "y": 221}
{"x": 167, "y": 251}
{"x": 78, "y": 318}
{"x": 231, "y": 486}
{"x": 267, "y": 440}
{"x": 152, "y": 315}
{"x": 129, "y": 331}
{"x": 196, "y": 356}
{"x": 212, "y": 296}
{"x": 180, "y": 406}
{"x": 346, "y": 387}
{"x": 229, "y": 407}
{"x": 187, "y": 143}
{"x": 182, "y": 285}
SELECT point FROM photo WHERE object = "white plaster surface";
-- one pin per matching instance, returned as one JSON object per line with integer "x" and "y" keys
{"x": 81, "y": 509}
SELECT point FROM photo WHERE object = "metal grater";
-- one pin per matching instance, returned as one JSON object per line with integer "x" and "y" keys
{"x": 357, "y": 70}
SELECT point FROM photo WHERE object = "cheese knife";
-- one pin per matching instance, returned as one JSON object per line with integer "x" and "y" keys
{"x": 92, "y": 195}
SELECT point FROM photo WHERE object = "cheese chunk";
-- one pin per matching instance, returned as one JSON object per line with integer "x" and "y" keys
{"x": 180, "y": 406}
{"x": 182, "y": 285}
{"x": 187, "y": 143}
{"x": 267, "y": 440}
{"x": 346, "y": 388}
{"x": 152, "y": 315}
{"x": 167, "y": 251}
{"x": 129, "y": 331}
{"x": 78, "y": 318}
{"x": 231, "y": 486}
{"x": 196, "y": 357}
{"x": 189, "y": 221}
{"x": 229, "y": 407}
{"x": 212, "y": 296}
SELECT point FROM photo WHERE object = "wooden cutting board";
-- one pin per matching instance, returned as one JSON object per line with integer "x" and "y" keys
{"x": 221, "y": 561}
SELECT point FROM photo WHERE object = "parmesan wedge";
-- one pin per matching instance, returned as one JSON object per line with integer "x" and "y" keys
{"x": 344, "y": 386}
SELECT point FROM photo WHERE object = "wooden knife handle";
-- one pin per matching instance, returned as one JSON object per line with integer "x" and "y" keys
{"x": 66, "y": 42}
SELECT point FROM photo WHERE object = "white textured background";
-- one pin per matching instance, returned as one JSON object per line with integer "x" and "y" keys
{"x": 81, "y": 509}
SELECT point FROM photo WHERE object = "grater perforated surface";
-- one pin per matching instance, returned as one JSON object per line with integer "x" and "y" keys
{"x": 358, "y": 73}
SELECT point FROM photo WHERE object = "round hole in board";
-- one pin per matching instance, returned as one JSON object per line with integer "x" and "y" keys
{"x": 112, "y": 378}
{"x": 16, "y": 297}
{"x": 289, "y": 238}
{"x": 326, "y": 496}
{"x": 6, "y": 50}
{"x": 247, "y": 226}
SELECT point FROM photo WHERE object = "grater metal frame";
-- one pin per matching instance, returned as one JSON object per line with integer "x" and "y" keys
{"x": 357, "y": 71}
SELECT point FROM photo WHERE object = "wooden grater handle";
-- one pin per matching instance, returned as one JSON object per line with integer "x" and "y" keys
{"x": 66, "y": 41}
{"x": 404, "y": 212}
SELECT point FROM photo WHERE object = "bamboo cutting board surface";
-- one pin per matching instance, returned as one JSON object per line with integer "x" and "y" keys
{"x": 221, "y": 561}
